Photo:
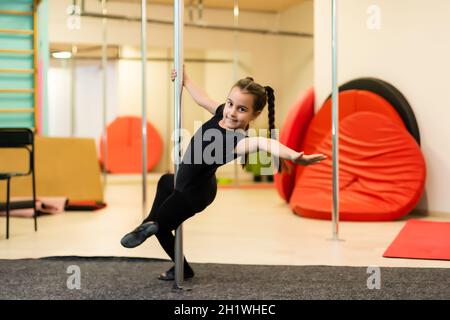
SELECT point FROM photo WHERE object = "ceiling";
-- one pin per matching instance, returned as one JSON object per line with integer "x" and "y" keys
{"x": 251, "y": 5}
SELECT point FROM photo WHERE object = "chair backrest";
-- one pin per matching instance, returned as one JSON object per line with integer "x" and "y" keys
{"x": 16, "y": 137}
{"x": 19, "y": 138}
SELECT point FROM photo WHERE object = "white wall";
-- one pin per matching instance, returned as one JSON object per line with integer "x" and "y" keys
{"x": 88, "y": 98}
{"x": 59, "y": 84}
{"x": 89, "y": 103}
{"x": 411, "y": 51}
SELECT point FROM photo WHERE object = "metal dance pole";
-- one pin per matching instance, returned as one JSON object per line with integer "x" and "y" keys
{"x": 73, "y": 91}
{"x": 179, "y": 61}
{"x": 144, "y": 104}
{"x": 104, "y": 91}
{"x": 335, "y": 124}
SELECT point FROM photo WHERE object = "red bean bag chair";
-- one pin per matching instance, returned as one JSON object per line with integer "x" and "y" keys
{"x": 292, "y": 134}
{"x": 382, "y": 172}
{"x": 350, "y": 101}
{"x": 124, "y": 146}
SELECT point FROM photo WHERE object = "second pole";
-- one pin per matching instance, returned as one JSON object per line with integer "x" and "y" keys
{"x": 178, "y": 64}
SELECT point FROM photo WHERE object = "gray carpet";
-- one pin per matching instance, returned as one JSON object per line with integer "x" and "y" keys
{"x": 135, "y": 278}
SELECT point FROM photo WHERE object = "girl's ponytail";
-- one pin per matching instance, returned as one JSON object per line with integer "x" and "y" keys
{"x": 280, "y": 163}
{"x": 271, "y": 105}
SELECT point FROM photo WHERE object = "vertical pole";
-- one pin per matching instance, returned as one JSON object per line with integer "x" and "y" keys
{"x": 335, "y": 125}
{"x": 73, "y": 93}
{"x": 235, "y": 71}
{"x": 169, "y": 114}
{"x": 236, "y": 39}
{"x": 144, "y": 104}
{"x": 104, "y": 90}
{"x": 179, "y": 61}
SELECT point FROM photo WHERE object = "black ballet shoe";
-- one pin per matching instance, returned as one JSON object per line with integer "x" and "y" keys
{"x": 139, "y": 235}
{"x": 169, "y": 275}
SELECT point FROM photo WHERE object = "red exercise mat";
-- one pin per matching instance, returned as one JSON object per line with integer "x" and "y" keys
{"x": 84, "y": 205}
{"x": 421, "y": 240}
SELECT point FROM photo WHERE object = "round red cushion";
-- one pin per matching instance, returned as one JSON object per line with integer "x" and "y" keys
{"x": 382, "y": 172}
{"x": 124, "y": 146}
{"x": 292, "y": 135}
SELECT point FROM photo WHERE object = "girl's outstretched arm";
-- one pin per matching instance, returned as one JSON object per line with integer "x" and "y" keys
{"x": 199, "y": 96}
{"x": 276, "y": 149}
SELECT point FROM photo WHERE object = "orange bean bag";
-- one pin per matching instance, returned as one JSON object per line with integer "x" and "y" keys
{"x": 124, "y": 146}
{"x": 350, "y": 101}
{"x": 292, "y": 134}
{"x": 382, "y": 172}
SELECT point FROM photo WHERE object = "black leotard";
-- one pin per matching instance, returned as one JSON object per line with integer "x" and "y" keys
{"x": 211, "y": 147}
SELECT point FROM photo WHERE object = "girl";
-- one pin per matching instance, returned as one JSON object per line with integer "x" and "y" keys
{"x": 196, "y": 185}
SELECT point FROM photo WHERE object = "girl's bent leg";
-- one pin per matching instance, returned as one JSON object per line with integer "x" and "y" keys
{"x": 167, "y": 217}
{"x": 164, "y": 189}
{"x": 148, "y": 228}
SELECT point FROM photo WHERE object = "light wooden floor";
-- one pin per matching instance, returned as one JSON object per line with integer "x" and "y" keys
{"x": 241, "y": 226}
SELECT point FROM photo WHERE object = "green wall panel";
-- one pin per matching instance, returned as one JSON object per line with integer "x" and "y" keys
{"x": 11, "y": 101}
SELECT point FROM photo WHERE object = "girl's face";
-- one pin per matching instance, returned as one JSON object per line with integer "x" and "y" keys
{"x": 238, "y": 111}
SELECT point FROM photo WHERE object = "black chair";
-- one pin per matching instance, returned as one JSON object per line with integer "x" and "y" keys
{"x": 18, "y": 138}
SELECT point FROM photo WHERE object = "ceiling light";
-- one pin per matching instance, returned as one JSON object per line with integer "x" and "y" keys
{"x": 62, "y": 55}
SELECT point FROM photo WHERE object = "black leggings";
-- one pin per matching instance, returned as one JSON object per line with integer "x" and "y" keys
{"x": 172, "y": 207}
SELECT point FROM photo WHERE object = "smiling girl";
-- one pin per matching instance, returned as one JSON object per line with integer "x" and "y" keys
{"x": 196, "y": 185}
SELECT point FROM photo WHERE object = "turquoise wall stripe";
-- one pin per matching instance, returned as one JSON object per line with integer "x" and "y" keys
{"x": 17, "y": 81}
{"x": 15, "y": 61}
{"x": 16, "y": 22}
{"x": 16, "y": 120}
{"x": 14, "y": 101}
{"x": 23, "y": 42}
{"x": 26, "y": 5}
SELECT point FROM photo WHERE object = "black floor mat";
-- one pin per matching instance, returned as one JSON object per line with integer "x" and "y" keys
{"x": 136, "y": 278}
